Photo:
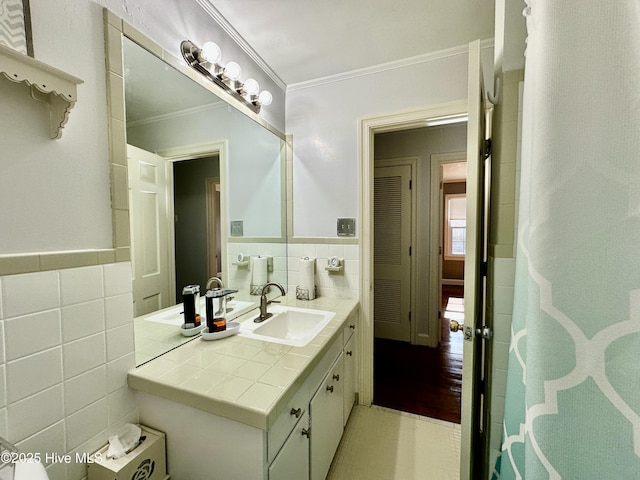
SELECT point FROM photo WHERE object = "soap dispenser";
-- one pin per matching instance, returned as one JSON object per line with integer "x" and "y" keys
{"x": 191, "y": 306}
{"x": 216, "y": 310}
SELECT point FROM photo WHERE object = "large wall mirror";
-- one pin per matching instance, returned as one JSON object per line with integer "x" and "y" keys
{"x": 207, "y": 193}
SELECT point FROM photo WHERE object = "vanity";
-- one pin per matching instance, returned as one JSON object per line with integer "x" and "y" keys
{"x": 246, "y": 408}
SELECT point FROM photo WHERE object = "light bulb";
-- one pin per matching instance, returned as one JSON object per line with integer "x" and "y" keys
{"x": 265, "y": 98}
{"x": 251, "y": 87}
{"x": 211, "y": 53}
{"x": 232, "y": 71}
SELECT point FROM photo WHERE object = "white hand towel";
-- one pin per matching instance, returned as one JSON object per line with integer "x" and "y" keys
{"x": 307, "y": 276}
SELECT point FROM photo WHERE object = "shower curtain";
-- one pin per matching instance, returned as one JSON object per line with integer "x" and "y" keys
{"x": 573, "y": 391}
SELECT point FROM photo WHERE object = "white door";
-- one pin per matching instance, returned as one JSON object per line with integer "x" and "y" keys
{"x": 471, "y": 447}
{"x": 149, "y": 230}
{"x": 392, "y": 252}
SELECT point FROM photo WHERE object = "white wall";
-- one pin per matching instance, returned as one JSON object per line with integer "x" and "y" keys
{"x": 55, "y": 193}
{"x": 323, "y": 119}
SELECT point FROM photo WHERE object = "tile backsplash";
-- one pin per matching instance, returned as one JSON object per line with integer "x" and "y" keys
{"x": 66, "y": 344}
{"x": 344, "y": 284}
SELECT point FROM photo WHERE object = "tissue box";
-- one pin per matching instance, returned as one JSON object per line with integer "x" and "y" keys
{"x": 147, "y": 461}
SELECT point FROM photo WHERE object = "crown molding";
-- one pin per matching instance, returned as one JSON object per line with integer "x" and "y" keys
{"x": 228, "y": 28}
{"x": 383, "y": 67}
{"x": 180, "y": 113}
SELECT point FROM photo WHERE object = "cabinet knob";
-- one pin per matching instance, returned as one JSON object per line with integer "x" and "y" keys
{"x": 306, "y": 432}
{"x": 349, "y": 352}
{"x": 336, "y": 377}
{"x": 352, "y": 327}
{"x": 296, "y": 411}
{"x": 330, "y": 388}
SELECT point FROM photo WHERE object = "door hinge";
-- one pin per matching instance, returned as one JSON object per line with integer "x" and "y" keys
{"x": 481, "y": 387}
{"x": 409, "y": 316}
{"x": 410, "y": 184}
{"x": 409, "y": 251}
{"x": 483, "y": 269}
{"x": 486, "y": 148}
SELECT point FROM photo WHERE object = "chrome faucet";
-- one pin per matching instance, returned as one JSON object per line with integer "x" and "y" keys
{"x": 222, "y": 301}
{"x": 263, "y": 302}
{"x": 213, "y": 280}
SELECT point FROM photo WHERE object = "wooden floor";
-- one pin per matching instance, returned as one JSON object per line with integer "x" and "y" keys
{"x": 421, "y": 380}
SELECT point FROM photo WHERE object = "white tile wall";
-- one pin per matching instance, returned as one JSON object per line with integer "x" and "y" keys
{"x": 66, "y": 344}
{"x": 502, "y": 311}
{"x": 345, "y": 284}
{"x": 240, "y": 277}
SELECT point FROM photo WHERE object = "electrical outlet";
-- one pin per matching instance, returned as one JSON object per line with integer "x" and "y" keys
{"x": 346, "y": 227}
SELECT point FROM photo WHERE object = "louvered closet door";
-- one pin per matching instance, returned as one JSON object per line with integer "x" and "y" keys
{"x": 391, "y": 252}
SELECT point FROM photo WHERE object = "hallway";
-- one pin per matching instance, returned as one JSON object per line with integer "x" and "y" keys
{"x": 422, "y": 380}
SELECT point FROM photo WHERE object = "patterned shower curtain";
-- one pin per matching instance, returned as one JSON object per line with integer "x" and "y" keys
{"x": 573, "y": 391}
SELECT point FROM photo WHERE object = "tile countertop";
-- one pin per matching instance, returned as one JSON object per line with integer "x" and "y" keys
{"x": 244, "y": 379}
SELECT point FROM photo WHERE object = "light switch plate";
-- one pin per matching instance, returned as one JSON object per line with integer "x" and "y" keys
{"x": 236, "y": 228}
{"x": 346, "y": 227}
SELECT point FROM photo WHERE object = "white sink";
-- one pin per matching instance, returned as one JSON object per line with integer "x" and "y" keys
{"x": 288, "y": 325}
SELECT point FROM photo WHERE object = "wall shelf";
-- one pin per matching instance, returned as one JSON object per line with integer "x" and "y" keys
{"x": 48, "y": 85}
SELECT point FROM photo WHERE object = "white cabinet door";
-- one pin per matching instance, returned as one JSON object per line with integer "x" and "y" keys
{"x": 292, "y": 462}
{"x": 326, "y": 410}
{"x": 350, "y": 356}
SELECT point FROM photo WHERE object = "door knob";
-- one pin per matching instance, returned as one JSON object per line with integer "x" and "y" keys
{"x": 455, "y": 326}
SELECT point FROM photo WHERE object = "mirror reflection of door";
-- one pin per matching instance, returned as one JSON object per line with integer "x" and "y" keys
{"x": 196, "y": 221}
{"x": 149, "y": 231}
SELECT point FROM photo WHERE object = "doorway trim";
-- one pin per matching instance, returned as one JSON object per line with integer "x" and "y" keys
{"x": 190, "y": 152}
{"x": 213, "y": 223}
{"x": 436, "y": 232}
{"x": 367, "y": 129}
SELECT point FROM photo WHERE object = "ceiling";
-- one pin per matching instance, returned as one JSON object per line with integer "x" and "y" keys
{"x": 303, "y": 40}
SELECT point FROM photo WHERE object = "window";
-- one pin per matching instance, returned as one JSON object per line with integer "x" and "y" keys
{"x": 455, "y": 231}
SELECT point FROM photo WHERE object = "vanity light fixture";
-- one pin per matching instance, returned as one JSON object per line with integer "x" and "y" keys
{"x": 206, "y": 60}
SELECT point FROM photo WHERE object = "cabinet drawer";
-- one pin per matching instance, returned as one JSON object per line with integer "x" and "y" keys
{"x": 292, "y": 463}
{"x": 296, "y": 409}
{"x": 350, "y": 327}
